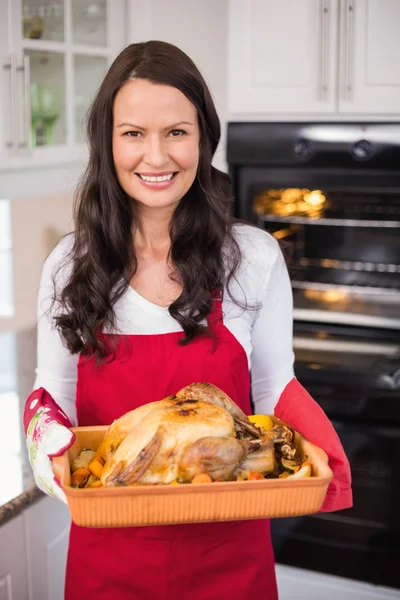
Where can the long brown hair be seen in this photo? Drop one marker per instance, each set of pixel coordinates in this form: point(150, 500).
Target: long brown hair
point(204, 252)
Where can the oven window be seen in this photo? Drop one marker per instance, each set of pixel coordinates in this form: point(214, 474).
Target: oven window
point(334, 238)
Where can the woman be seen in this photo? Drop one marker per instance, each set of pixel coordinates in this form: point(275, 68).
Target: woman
point(157, 289)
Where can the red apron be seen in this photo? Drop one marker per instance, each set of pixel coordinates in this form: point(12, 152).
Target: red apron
point(206, 561)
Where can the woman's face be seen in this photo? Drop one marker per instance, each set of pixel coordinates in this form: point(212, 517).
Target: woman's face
point(155, 143)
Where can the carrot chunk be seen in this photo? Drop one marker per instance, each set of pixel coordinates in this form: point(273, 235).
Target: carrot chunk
point(254, 475)
point(202, 478)
point(79, 477)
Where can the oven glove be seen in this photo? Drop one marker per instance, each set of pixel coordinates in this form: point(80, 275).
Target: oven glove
point(47, 434)
point(298, 409)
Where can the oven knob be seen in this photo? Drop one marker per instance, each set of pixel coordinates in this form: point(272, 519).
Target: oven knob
point(362, 150)
point(302, 148)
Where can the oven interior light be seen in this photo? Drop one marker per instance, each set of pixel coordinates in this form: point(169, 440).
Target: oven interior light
point(326, 295)
point(315, 198)
point(322, 335)
point(290, 201)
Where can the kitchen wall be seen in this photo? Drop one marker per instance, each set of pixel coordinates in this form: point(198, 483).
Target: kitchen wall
point(36, 225)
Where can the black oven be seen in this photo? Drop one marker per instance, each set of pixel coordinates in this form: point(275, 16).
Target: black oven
point(330, 192)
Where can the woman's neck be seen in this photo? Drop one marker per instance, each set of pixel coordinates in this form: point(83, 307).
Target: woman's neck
point(151, 236)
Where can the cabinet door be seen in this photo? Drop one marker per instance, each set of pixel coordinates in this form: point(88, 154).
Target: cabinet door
point(13, 579)
point(370, 57)
point(7, 82)
point(56, 57)
point(282, 56)
point(47, 526)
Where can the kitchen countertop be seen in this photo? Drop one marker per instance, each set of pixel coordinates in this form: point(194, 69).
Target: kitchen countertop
point(18, 489)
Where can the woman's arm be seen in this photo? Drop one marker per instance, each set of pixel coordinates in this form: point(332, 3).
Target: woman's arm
point(272, 355)
point(56, 368)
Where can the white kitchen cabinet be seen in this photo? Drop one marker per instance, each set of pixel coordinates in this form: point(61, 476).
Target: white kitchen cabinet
point(282, 56)
point(47, 526)
point(13, 572)
point(33, 552)
point(53, 56)
point(370, 57)
point(314, 57)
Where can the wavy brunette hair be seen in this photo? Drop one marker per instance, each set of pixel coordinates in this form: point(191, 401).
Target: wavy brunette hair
point(204, 252)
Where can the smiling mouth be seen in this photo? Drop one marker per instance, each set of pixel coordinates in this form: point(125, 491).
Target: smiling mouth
point(157, 178)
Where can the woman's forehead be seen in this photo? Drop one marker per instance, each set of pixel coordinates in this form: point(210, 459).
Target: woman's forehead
point(140, 99)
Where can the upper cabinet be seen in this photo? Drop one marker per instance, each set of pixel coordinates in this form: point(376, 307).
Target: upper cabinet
point(282, 56)
point(314, 57)
point(53, 57)
point(370, 57)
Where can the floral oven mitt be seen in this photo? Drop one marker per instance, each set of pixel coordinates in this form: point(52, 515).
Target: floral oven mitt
point(47, 435)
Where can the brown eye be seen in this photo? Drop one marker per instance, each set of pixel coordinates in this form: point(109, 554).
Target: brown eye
point(178, 132)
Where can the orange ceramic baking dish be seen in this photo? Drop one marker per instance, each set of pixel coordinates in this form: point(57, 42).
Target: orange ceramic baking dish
point(191, 503)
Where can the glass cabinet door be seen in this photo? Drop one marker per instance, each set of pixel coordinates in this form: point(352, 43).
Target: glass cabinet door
point(47, 98)
point(60, 51)
point(89, 22)
point(43, 20)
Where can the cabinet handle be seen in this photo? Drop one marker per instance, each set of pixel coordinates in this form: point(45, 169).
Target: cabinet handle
point(348, 50)
point(11, 66)
point(26, 71)
point(323, 49)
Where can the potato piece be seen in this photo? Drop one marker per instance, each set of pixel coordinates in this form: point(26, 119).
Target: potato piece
point(83, 460)
point(96, 484)
point(91, 479)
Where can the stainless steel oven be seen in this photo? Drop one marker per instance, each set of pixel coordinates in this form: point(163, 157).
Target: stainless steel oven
point(330, 192)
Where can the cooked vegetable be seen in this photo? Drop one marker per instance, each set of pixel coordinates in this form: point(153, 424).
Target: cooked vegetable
point(263, 421)
point(96, 465)
point(80, 477)
point(289, 465)
point(83, 460)
point(91, 479)
point(96, 484)
point(253, 475)
point(305, 471)
point(202, 478)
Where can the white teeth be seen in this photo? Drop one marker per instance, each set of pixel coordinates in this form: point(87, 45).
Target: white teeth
point(156, 179)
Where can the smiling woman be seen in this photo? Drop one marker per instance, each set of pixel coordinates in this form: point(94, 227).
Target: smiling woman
point(159, 288)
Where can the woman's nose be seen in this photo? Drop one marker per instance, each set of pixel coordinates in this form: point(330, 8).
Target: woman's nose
point(155, 152)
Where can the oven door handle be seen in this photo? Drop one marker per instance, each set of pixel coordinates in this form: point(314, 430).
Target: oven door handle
point(391, 381)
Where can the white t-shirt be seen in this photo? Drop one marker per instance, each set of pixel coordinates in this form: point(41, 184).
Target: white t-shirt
point(264, 333)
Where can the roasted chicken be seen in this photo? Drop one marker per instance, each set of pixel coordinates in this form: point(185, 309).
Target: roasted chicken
point(199, 430)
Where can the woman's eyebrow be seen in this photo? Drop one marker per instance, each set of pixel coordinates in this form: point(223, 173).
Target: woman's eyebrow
point(127, 124)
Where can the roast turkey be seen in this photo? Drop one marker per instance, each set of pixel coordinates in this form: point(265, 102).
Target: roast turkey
point(199, 430)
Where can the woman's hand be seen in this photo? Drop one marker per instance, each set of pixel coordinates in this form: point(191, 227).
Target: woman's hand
point(47, 435)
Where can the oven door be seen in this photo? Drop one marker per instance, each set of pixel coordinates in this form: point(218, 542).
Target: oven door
point(357, 384)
